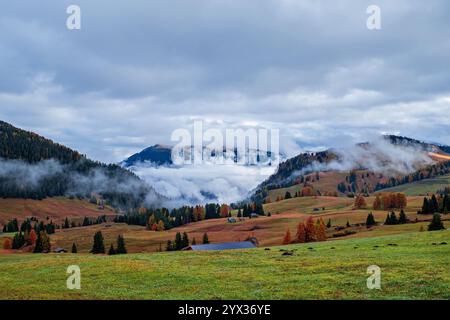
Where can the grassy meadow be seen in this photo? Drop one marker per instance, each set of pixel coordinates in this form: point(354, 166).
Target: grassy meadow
point(413, 266)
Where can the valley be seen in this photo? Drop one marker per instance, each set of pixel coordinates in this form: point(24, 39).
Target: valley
point(83, 201)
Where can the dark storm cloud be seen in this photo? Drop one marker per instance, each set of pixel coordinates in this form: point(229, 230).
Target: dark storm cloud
point(139, 69)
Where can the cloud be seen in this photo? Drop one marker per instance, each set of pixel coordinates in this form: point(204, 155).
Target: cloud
point(194, 184)
point(135, 72)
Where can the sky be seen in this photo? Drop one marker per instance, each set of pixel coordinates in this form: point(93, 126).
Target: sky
point(137, 70)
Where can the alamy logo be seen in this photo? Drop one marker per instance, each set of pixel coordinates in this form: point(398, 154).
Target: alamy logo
point(249, 146)
point(73, 21)
point(374, 20)
point(74, 280)
point(374, 281)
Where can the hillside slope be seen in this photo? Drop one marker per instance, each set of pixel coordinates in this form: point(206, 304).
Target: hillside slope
point(33, 167)
point(56, 209)
point(365, 168)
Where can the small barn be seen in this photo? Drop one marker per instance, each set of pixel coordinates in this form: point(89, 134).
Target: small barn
point(231, 220)
point(222, 246)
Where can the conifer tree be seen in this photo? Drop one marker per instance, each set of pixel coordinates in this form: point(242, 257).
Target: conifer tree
point(388, 220)
point(425, 206)
point(205, 239)
point(434, 204)
point(169, 246)
point(370, 221)
point(436, 223)
point(329, 224)
point(184, 241)
point(178, 242)
point(66, 224)
point(402, 217)
point(121, 249)
point(74, 248)
point(393, 218)
point(98, 246)
point(111, 250)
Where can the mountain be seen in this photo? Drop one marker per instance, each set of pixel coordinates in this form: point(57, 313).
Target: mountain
point(158, 155)
point(161, 155)
point(364, 168)
point(33, 167)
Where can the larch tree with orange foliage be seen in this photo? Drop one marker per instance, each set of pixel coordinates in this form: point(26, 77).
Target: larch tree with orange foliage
point(301, 233)
point(161, 226)
point(287, 237)
point(307, 192)
point(360, 202)
point(310, 229)
point(7, 244)
point(224, 211)
point(321, 232)
point(32, 237)
point(377, 203)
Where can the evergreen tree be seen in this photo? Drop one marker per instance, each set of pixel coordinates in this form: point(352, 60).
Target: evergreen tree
point(42, 243)
point(74, 248)
point(194, 242)
point(287, 195)
point(393, 218)
point(205, 239)
point(169, 246)
point(329, 224)
point(370, 221)
point(436, 223)
point(121, 249)
point(184, 241)
point(98, 246)
point(18, 241)
point(348, 224)
point(178, 245)
point(66, 224)
point(38, 246)
point(434, 204)
point(388, 220)
point(402, 219)
point(111, 250)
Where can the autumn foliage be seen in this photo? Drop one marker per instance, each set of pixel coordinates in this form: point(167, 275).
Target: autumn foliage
point(360, 202)
point(311, 231)
point(386, 201)
point(301, 233)
point(7, 245)
point(287, 237)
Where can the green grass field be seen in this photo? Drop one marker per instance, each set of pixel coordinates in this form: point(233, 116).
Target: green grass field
point(416, 268)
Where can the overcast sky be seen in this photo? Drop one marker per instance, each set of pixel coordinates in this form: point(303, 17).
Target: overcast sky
point(139, 69)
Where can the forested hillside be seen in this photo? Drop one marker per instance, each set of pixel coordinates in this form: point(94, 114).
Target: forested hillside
point(35, 167)
point(368, 168)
